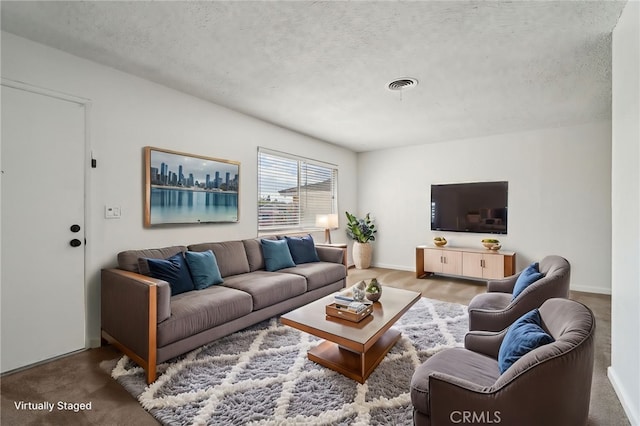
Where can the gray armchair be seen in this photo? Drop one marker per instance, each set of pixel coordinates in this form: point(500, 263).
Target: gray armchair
point(550, 385)
point(495, 310)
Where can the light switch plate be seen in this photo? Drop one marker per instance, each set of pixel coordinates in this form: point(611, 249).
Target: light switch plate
point(111, 212)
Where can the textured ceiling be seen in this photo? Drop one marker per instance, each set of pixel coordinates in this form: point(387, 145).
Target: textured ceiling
point(321, 68)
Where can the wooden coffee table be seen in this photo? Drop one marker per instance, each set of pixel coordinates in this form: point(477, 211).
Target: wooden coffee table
point(353, 349)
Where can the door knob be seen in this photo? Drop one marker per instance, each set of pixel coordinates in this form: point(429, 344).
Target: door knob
point(75, 243)
point(75, 228)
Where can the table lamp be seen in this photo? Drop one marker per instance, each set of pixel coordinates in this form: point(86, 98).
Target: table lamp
point(328, 222)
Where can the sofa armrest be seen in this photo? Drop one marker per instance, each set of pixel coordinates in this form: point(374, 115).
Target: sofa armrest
point(504, 285)
point(331, 254)
point(131, 282)
point(496, 320)
point(131, 307)
point(484, 342)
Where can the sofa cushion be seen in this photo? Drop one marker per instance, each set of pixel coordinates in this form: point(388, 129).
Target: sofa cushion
point(276, 255)
point(302, 249)
point(254, 252)
point(457, 362)
point(268, 288)
point(231, 256)
point(197, 311)
point(318, 274)
point(204, 268)
point(129, 260)
point(523, 336)
point(527, 277)
point(173, 270)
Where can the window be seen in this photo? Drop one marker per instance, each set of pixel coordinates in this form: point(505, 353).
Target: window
point(292, 191)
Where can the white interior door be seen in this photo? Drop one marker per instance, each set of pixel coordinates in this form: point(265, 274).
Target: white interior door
point(42, 288)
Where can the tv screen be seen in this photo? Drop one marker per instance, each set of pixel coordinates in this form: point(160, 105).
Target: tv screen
point(470, 207)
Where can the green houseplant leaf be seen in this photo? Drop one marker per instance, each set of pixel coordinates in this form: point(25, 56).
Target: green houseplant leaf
point(361, 230)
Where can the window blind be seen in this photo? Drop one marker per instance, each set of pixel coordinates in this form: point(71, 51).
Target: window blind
point(292, 191)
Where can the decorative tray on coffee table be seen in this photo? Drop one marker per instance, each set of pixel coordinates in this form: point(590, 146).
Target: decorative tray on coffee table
point(335, 311)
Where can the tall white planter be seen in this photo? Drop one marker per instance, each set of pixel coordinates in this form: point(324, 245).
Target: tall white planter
point(362, 255)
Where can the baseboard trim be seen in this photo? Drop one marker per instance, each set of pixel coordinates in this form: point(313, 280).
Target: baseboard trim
point(396, 267)
point(591, 289)
point(581, 288)
point(622, 397)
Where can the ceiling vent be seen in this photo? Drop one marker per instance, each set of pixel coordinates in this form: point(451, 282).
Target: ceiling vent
point(402, 84)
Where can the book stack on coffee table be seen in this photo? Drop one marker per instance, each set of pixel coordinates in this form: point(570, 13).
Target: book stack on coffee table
point(346, 307)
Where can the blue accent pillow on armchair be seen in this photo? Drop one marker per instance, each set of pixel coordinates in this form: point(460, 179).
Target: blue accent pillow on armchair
point(527, 277)
point(302, 249)
point(204, 268)
point(173, 270)
point(276, 255)
point(523, 336)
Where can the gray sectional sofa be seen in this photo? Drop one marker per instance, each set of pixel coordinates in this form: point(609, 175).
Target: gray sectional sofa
point(142, 318)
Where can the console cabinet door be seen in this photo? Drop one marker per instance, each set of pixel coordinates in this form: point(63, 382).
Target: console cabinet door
point(472, 264)
point(433, 260)
point(493, 266)
point(479, 265)
point(452, 262)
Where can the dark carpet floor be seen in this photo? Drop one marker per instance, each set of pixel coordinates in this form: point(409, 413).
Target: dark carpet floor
point(84, 376)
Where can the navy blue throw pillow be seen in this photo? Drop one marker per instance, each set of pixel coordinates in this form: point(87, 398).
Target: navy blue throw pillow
point(173, 270)
point(523, 336)
point(276, 255)
point(302, 249)
point(527, 277)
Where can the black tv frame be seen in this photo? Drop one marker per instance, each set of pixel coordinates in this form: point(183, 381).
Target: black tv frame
point(480, 217)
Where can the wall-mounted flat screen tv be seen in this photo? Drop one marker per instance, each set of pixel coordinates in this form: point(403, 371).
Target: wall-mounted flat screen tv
point(470, 207)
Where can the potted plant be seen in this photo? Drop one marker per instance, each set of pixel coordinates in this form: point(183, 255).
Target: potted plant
point(373, 290)
point(362, 231)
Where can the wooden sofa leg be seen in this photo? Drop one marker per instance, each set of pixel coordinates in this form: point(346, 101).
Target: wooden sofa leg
point(151, 373)
point(152, 333)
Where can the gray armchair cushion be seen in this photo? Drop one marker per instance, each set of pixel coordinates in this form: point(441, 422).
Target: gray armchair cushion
point(458, 364)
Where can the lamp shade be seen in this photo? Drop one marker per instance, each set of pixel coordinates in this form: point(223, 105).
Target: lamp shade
point(327, 221)
point(322, 220)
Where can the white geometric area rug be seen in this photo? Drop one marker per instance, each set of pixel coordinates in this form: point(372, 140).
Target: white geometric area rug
point(261, 376)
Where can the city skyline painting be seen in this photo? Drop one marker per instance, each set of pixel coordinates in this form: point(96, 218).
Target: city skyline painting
point(187, 188)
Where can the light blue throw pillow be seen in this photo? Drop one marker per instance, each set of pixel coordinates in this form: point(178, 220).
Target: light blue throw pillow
point(276, 255)
point(530, 275)
point(523, 336)
point(204, 268)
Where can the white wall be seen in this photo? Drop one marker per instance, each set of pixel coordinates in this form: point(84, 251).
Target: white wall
point(624, 372)
point(559, 196)
point(129, 113)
